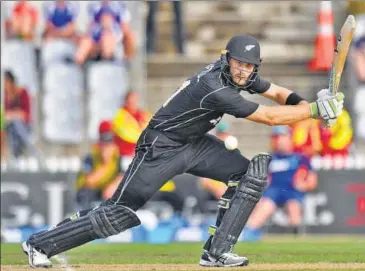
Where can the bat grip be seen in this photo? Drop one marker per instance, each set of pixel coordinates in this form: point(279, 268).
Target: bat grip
point(330, 123)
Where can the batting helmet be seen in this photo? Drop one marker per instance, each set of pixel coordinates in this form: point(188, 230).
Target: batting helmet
point(244, 48)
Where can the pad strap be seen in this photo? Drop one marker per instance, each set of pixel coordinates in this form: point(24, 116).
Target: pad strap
point(223, 203)
point(212, 229)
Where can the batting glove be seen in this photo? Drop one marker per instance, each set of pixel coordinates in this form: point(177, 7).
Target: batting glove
point(327, 106)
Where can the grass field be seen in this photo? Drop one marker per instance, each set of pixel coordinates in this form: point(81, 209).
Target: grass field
point(275, 253)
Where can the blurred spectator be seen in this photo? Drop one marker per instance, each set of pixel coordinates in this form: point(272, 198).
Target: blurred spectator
point(357, 74)
point(359, 59)
point(178, 25)
point(359, 95)
point(101, 168)
point(2, 134)
point(109, 26)
point(17, 115)
point(129, 123)
point(336, 140)
point(291, 176)
point(60, 16)
point(307, 137)
point(23, 21)
point(170, 193)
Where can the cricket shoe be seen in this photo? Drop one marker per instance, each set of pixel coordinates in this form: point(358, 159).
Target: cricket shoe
point(225, 260)
point(35, 257)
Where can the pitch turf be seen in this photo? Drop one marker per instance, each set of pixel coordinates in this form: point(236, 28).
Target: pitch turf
point(274, 253)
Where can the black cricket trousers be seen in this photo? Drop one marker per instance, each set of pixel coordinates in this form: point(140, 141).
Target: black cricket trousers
point(158, 159)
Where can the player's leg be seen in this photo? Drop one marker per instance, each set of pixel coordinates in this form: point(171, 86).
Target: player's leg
point(263, 211)
point(148, 171)
point(265, 208)
point(246, 181)
point(294, 210)
point(219, 164)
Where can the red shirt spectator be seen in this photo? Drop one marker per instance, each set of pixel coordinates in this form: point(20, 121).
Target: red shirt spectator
point(24, 20)
point(17, 100)
point(23, 8)
point(17, 116)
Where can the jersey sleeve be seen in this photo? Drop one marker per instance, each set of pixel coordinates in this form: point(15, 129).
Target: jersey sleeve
point(228, 100)
point(259, 86)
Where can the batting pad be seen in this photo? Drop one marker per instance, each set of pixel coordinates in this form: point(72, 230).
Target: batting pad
point(248, 193)
point(99, 223)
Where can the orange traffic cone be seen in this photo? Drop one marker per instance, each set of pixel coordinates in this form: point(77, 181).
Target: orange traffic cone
point(325, 40)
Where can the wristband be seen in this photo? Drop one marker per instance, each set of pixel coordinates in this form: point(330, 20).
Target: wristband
point(293, 99)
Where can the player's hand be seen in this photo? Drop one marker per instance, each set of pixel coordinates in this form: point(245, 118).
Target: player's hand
point(327, 106)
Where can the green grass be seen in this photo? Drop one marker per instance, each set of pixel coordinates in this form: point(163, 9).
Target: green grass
point(272, 250)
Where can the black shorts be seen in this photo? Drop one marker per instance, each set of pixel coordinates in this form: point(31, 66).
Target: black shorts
point(158, 159)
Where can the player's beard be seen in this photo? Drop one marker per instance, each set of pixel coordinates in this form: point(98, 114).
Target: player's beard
point(241, 77)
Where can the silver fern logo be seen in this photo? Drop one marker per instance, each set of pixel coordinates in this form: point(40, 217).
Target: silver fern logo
point(249, 47)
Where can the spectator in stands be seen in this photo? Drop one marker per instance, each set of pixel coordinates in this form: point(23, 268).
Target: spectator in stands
point(357, 75)
point(109, 26)
point(17, 115)
point(291, 176)
point(2, 134)
point(60, 16)
point(23, 21)
point(359, 95)
point(336, 140)
point(306, 137)
point(129, 123)
point(171, 194)
point(178, 26)
point(101, 168)
point(359, 58)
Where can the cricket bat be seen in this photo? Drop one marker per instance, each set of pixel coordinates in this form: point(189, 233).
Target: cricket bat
point(341, 50)
point(340, 55)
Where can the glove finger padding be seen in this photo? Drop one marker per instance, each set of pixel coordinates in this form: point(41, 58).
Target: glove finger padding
point(324, 94)
point(340, 97)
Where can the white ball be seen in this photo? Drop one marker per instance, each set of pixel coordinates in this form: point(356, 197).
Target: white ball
point(231, 142)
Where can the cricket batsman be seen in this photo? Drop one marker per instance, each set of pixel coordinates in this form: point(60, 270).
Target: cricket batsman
point(176, 141)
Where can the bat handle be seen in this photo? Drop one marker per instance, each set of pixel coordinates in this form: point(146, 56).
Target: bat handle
point(330, 123)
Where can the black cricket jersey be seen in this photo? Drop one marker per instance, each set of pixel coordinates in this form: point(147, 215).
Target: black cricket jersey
point(199, 104)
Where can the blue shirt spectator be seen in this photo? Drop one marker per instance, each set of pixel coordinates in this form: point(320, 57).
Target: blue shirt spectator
point(117, 9)
point(291, 175)
point(109, 32)
point(61, 13)
point(60, 16)
point(283, 169)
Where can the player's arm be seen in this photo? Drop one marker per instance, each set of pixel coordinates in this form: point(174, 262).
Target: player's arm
point(229, 101)
point(294, 108)
point(282, 95)
point(305, 179)
point(312, 181)
point(307, 184)
point(280, 115)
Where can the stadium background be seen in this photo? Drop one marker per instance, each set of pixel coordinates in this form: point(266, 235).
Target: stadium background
point(34, 197)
